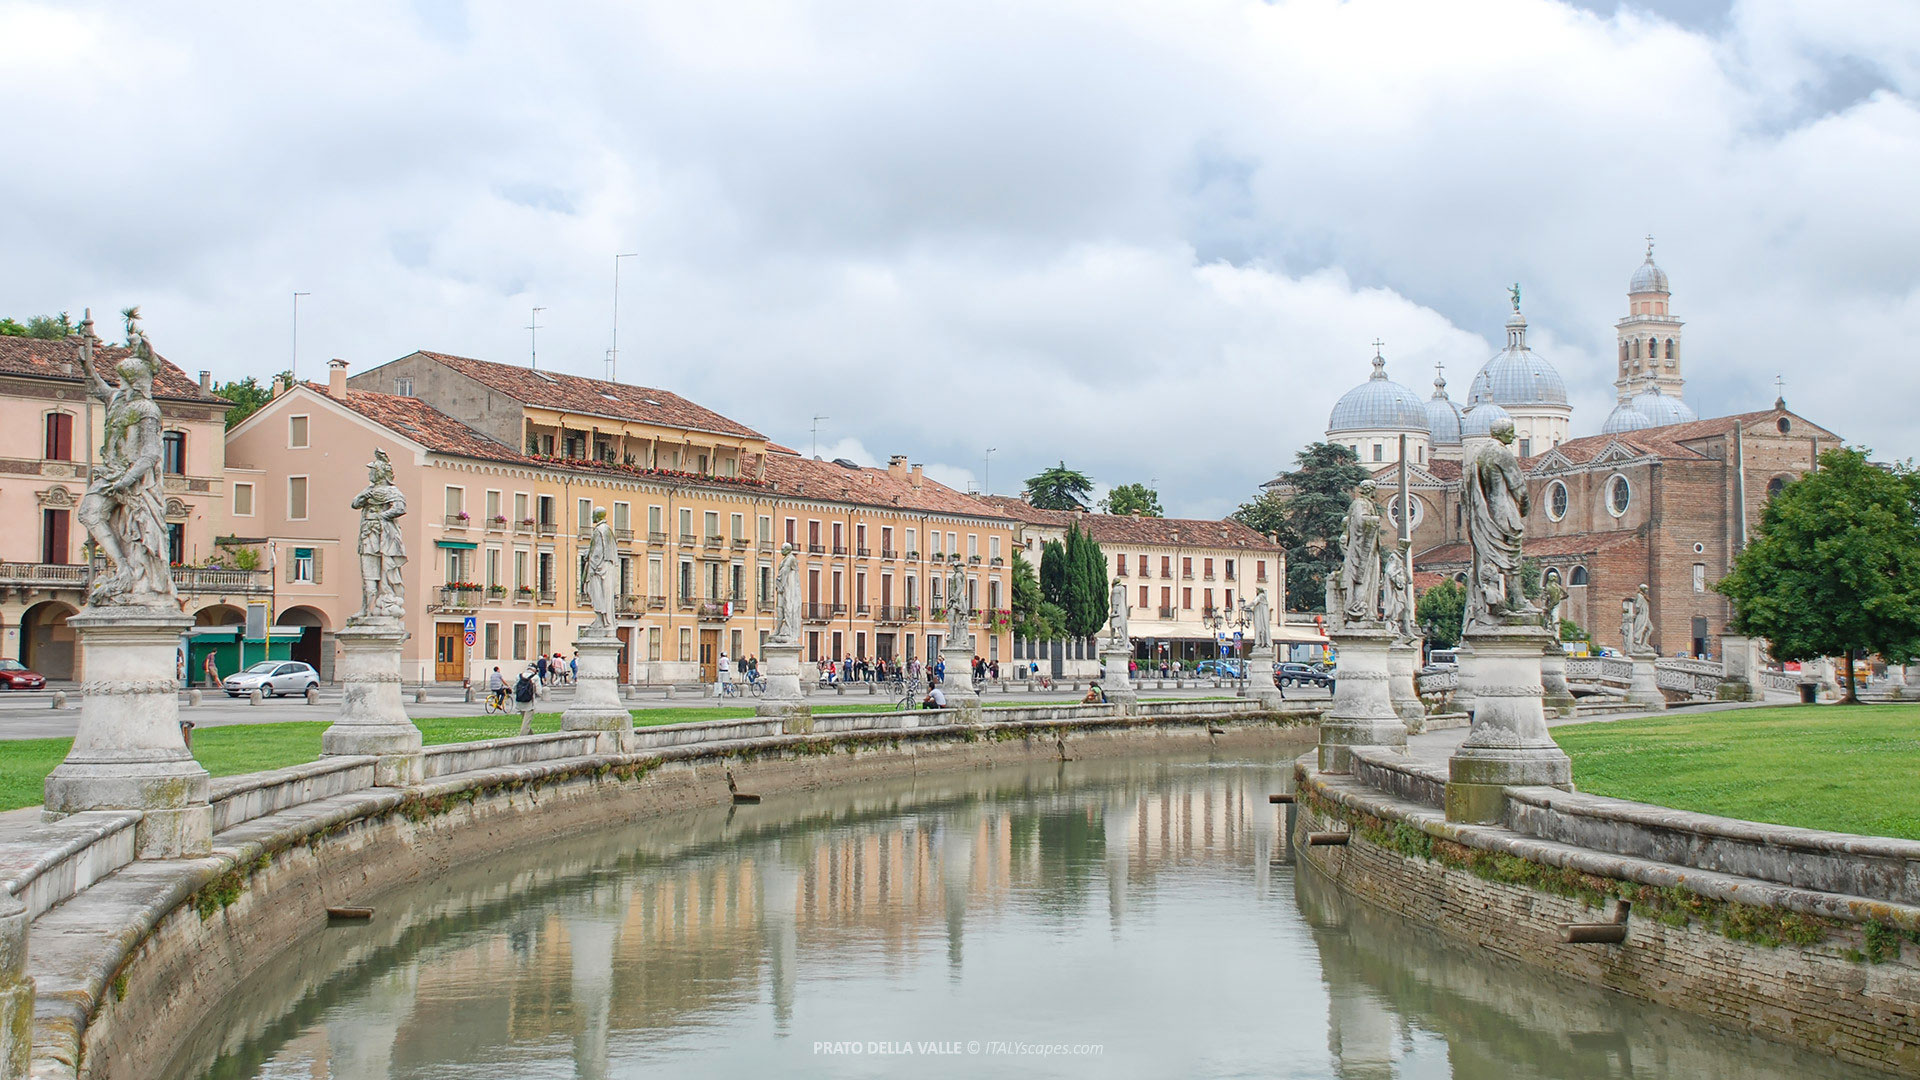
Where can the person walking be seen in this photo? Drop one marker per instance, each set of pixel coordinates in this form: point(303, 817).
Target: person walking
point(540, 669)
point(721, 669)
point(213, 672)
point(573, 669)
point(524, 691)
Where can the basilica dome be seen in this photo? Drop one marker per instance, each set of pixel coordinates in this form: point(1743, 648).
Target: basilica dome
point(1517, 375)
point(1661, 410)
point(1443, 416)
point(1624, 418)
point(1379, 404)
point(1648, 278)
point(1477, 421)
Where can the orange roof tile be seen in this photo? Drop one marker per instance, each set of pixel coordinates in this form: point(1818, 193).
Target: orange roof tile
point(1127, 529)
point(43, 359)
point(595, 397)
point(805, 477)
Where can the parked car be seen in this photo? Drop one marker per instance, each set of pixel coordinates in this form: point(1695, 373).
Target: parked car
point(272, 678)
point(1286, 675)
point(1218, 669)
point(15, 676)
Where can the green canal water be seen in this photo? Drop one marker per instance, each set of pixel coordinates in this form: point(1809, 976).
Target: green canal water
point(1133, 918)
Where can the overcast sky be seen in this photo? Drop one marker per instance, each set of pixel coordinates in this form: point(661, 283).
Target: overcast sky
point(1152, 239)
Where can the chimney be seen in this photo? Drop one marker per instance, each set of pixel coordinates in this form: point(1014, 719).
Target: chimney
point(206, 380)
point(914, 477)
point(337, 377)
point(1136, 515)
point(279, 386)
point(897, 466)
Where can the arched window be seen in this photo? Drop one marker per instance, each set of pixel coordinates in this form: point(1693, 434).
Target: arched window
point(1673, 349)
point(1636, 348)
point(1623, 352)
point(1460, 578)
point(1774, 485)
point(1552, 576)
point(1785, 425)
point(1578, 576)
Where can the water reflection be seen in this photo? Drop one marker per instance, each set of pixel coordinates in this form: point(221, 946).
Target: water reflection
point(1149, 908)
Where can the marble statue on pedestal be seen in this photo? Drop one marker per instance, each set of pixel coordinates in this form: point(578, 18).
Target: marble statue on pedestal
point(1360, 563)
point(956, 601)
point(1397, 606)
point(1639, 624)
point(124, 509)
point(1495, 500)
point(1260, 614)
point(1117, 616)
point(383, 593)
point(786, 599)
point(602, 564)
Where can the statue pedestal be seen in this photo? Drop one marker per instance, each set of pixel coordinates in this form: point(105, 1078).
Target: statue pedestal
point(1402, 658)
point(1260, 678)
point(1113, 680)
point(1553, 681)
point(1644, 687)
point(1463, 678)
point(372, 720)
point(596, 697)
point(1362, 712)
point(128, 753)
point(1740, 667)
point(1508, 745)
point(958, 685)
point(780, 667)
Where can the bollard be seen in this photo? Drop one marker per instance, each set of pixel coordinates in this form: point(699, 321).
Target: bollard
point(59, 699)
point(313, 695)
point(186, 734)
point(420, 696)
point(193, 697)
point(254, 697)
point(669, 694)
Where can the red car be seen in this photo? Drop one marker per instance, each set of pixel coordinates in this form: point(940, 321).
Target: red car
point(15, 677)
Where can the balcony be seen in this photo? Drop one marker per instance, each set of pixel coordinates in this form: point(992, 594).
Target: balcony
point(912, 555)
point(656, 538)
point(624, 536)
point(973, 560)
point(685, 603)
point(1169, 613)
point(1186, 575)
point(210, 580)
point(715, 610)
point(712, 540)
point(656, 603)
point(547, 528)
point(816, 549)
point(997, 561)
point(817, 613)
point(739, 543)
point(1166, 574)
point(896, 614)
point(685, 540)
point(839, 609)
point(523, 595)
point(862, 553)
point(497, 524)
point(547, 595)
point(458, 598)
point(862, 610)
point(1206, 577)
point(839, 549)
point(458, 521)
point(524, 527)
point(889, 553)
point(765, 547)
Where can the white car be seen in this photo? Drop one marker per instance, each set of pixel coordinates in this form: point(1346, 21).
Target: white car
point(272, 678)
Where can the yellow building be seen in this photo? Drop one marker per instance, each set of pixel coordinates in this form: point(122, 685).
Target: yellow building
point(502, 468)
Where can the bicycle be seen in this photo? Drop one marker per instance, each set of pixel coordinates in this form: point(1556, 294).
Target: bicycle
point(910, 694)
point(496, 702)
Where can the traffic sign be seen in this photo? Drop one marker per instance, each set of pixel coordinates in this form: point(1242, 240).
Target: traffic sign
point(473, 623)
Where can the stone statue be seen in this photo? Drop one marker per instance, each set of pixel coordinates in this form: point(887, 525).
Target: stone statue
point(1336, 603)
point(383, 595)
point(1117, 615)
point(1360, 567)
point(1260, 613)
point(124, 509)
point(1397, 611)
point(1626, 626)
point(786, 599)
point(1640, 611)
point(1494, 493)
point(602, 565)
point(956, 601)
point(1515, 293)
point(1556, 595)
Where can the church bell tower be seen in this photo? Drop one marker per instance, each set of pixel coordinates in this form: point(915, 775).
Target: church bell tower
point(1649, 337)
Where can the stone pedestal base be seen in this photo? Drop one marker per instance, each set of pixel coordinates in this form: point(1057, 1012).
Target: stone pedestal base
point(1644, 688)
point(372, 718)
point(958, 685)
point(1362, 712)
point(1463, 690)
point(1508, 745)
point(1556, 698)
point(1260, 685)
point(1402, 659)
point(596, 696)
point(128, 753)
point(1114, 682)
point(780, 667)
point(16, 991)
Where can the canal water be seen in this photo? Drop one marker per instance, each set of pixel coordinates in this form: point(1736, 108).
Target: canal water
point(1131, 918)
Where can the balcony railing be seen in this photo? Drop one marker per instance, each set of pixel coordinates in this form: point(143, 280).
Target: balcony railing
point(764, 546)
point(997, 561)
point(202, 580)
point(862, 553)
point(548, 594)
point(523, 528)
point(496, 524)
point(656, 603)
point(655, 536)
point(1207, 576)
point(912, 555)
point(714, 609)
point(893, 613)
point(816, 549)
point(712, 540)
point(817, 612)
point(458, 521)
point(839, 549)
point(548, 528)
point(624, 536)
point(889, 553)
point(862, 610)
point(523, 596)
point(452, 599)
point(1169, 613)
point(686, 540)
point(738, 543)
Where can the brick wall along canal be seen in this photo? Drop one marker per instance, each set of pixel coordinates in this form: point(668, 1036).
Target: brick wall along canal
point(1105, 918)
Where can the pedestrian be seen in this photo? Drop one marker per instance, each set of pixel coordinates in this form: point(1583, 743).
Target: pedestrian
point(573, 668)
point(497, 688)
point(524, 691)
point(939, 670)
point(540, 669)
point(721, 669)
point(213, 671)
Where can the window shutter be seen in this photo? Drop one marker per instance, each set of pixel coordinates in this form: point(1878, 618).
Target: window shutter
point(316, 566)
point(287, 567)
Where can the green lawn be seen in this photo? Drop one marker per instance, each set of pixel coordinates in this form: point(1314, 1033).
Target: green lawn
point(1846, 768)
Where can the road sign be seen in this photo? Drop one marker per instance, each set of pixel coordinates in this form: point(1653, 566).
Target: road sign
point(472, 624)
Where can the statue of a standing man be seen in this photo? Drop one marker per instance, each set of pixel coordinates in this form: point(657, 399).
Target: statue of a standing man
point(1261, 616)
point(1360, 567)
point(956, 601)
point(1494, 493)
point(382, 552)
point(1640, 604)
point(124, 509)
point(1397, 610)
point(1117, 615)
point(601, 566)
point(786, 599)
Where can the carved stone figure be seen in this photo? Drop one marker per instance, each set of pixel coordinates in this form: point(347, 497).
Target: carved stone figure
point(956, 601)
point(1336, 603)
point(124, 509)
point(1117, 616)
point(383, 594)
point(1626, 626)
point(786, 599)
point(602, 564)
point(1360, 567)
point(1396, 609)
point(1640, 610)
point(1260, 613)
point(1494, 493)
point(1556, 595)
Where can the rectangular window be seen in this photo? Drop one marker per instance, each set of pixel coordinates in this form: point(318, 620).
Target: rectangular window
point(1206, 567)
point(242, 500)
point(973, 545)
point(1166, 566)
point(1186, 568)
point(711, 519)
point(1260, 570)
point(493, 567)
point(686, 523)
point(173, 453)
point(654, 528)
point(1206, 599)
point(296, 498)
point(493, 506)
point(302, 573)
point(1700, 577)
point(839, 538)
point(1186, 599)
point(1229, 569)
point(519, 641)
point(1379, 452)
point(491, 649)
point(403, 386)
point(653, 644)
point(520, 507)
point(764, 595)
point(1120, 566)
point(953, 543)
point(456, 500)
point(1142, 563)
point(546, 509)
point(993, 551)
point(738, 526)
point(297, 433)
point(176, 543)
point(59, 436)
point(655, 586)
point(765, 528)
point(519, 574)
point(583, 514)
point(792, 525)
point(543, 638)
point(1143, 597)
point(912, 541)
point(686, 644)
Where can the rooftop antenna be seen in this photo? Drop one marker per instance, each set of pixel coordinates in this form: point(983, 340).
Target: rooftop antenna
point(613, 350)
point(986, 479)
point(816, 433)
point(533, 339)
point(293, 362)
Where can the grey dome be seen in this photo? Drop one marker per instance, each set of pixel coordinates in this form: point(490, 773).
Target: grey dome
point(1661, 410)
point(1648, 278)
point(1443, 416)
point(1624, 418)
point(1517, 375)
point(1379, 404)
point(1477, 420)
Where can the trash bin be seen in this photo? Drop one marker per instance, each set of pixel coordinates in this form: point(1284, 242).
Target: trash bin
point(1808, 692)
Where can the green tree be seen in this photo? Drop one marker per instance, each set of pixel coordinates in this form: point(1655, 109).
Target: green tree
point(1087, 603)
point(1440, 611)
point(1033, 617)
point(1133, 499)
point(1059, 488)
point(1307, 511)
point(1834, 568)
point(1053, 572)
point(45, 327)
point(247, 396)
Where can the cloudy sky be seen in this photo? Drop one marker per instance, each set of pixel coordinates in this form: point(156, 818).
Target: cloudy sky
point(1153, 239)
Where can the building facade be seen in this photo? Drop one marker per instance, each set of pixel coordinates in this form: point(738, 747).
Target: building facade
point(49, 433)
point(699, 505)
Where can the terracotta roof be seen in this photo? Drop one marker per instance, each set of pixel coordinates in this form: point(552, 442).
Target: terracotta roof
point(1668, 441)
point(1127, 529)
point(1545, 547)
point(808, 478)
point(424, 424)
point(1439, 468)
point(597, 397)
point(42, 359)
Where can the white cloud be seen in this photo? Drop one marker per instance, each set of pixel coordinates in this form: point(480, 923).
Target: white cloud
point(1151, 239)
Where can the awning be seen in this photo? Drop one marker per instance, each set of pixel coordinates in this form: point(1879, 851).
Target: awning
point(463, 545)
point(1299, 634)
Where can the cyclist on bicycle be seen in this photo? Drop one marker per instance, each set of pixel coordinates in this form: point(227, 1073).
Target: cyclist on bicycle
point(497, 689)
